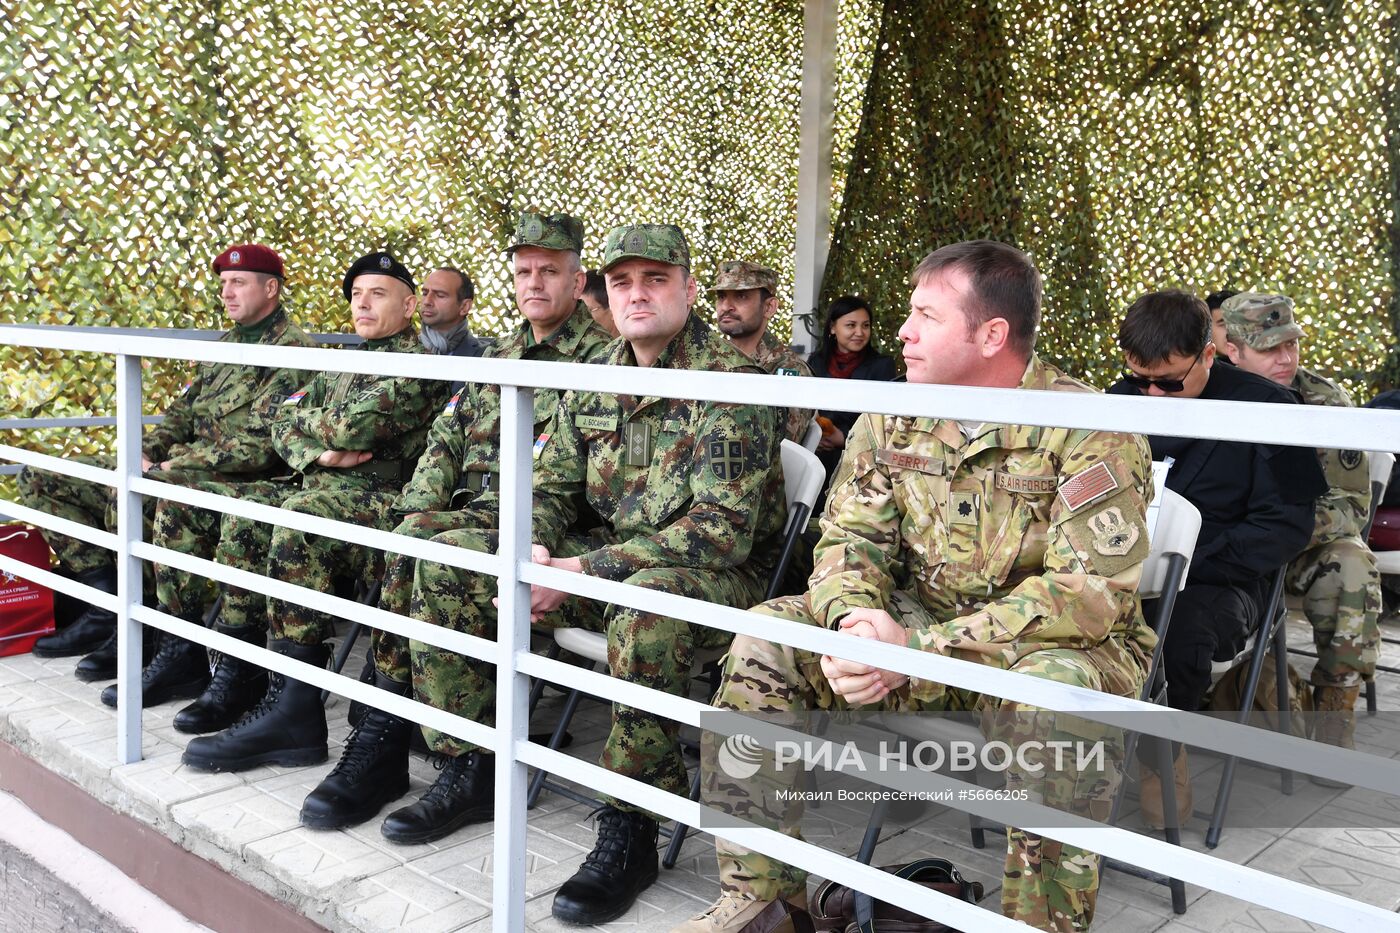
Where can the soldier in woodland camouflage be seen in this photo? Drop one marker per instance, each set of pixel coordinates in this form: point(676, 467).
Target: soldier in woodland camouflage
point(746, 296)
point(209, 437)
point(1016, 547)
point(458, 466)
point(689, 496)
point(1336, 574)
point(352, 439)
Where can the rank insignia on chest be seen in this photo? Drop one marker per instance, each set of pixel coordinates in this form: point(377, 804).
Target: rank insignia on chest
point(1087, 485)
point(726, 459)
point(452, 404)
point(294, 398)
point(962, 508)
point(539, 445)
point(636, 438)
point(187, 387)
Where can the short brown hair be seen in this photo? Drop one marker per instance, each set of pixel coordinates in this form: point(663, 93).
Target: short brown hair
point(1163, 324)
point(1005, 284)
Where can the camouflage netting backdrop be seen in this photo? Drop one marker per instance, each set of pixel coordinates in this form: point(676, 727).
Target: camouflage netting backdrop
point(1126, 145)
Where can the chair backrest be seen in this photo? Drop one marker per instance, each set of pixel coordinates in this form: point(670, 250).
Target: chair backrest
point(813, 436)
point(803, 474)
point(1178, 523)
point(1382, 463)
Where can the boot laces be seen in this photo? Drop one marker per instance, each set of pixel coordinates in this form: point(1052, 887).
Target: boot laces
point(221, 682)
point(363, 744)
point(614, 833)
point(269, 701)
point(456, 776)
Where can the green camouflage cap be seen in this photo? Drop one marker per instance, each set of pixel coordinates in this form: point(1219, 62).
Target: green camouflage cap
point(740, 276)
point(660, 242)
point(547, 231)
point(1261, 321)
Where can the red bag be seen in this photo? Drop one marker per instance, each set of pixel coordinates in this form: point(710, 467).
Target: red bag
point(26, 608)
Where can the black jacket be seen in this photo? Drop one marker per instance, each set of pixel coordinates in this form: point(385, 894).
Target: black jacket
point(1257, 500)
point(876, 367)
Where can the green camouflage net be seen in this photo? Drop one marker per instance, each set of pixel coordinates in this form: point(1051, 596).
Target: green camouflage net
point(1135, 146)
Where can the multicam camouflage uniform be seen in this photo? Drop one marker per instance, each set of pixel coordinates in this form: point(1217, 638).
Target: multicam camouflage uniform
point(461, 462)
point(686, 492)
point(388, 416)
point(1020, 548)
point(209, 436)
point(773, 357)
point(1336, 575)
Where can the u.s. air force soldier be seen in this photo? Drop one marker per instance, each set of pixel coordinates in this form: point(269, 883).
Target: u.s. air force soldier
point(207, 436)
point(689, 495)
point(459, 464)
point(1336, 573)
point(1016, 547)
point(353, 439)
point(746, 297)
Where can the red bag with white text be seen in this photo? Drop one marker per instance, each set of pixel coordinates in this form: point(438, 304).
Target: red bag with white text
point(26, 608)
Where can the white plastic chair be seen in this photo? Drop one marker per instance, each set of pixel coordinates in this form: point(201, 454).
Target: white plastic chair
point(813, 436)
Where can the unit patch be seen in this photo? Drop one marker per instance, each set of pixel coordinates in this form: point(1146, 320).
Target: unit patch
point(1349, 459)
point(726, 459)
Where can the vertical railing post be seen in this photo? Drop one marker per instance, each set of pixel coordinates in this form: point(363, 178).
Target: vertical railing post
point(130, 527)
point(814, 160)
point(512, 635)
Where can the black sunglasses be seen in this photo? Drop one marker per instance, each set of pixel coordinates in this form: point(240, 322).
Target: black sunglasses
point(1166, 385)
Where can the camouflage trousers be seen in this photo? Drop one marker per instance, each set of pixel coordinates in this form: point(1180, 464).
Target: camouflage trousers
point(390, 651)
point(92, 505)
point(1341, 592)
point(643, 648)
point(1046, 884)
point(311, 561)
point(199, 533)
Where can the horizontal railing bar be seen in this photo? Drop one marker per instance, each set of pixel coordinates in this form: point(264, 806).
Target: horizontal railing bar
point(372, 616)
point(59, 583)
point(1264, 746)
point(64, 526)
point(74, 468)
point(339, 684)
point(183, 333)
point(1304, 425)
point(1210, 871)
point(28, 424)
point(423, 549)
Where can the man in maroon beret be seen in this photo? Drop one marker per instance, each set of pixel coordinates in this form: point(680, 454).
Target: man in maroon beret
point(210, 438)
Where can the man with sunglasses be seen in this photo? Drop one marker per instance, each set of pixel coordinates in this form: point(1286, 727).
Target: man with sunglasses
point(1256, 501)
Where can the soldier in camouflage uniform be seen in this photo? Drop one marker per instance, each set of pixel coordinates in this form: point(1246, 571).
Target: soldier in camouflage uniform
point(459, 464)
point(207, 437)
point(353, 440)
point(1336, 574)
point(1016, 547)
point(746, 296)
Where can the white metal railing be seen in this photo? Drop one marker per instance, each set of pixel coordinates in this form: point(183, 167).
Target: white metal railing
point(1303, 426)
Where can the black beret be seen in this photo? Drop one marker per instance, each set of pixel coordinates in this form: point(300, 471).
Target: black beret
point(378, 264)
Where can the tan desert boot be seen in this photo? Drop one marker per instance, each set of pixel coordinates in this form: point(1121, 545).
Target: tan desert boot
point(1150, 793)
point(1335, 723)
point(733, 912)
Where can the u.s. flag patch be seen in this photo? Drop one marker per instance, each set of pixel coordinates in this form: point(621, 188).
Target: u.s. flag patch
point(452, 404)
point(294, 398)
point(1087, 485)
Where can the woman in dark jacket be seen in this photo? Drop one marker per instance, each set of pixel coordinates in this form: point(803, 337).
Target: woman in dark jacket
point(848, 351)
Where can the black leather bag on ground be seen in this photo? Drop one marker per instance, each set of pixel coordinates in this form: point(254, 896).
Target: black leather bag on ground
point(838, 909)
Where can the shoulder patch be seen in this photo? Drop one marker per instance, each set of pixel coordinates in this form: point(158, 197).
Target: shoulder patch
point(787, 371)
point(540, 443)
point(1349, 459)
point(1088, 485)
point(726, 459)
point(1108, 541)
point(294, 398)
point(186, 387)
point(452, 403)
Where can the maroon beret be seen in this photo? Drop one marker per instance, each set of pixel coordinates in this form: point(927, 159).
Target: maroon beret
point(250, 257)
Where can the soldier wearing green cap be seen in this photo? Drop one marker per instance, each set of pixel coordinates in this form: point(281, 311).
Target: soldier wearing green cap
point(459, 464)
point(688, 499)
point(1336, 574)
point(746, 297)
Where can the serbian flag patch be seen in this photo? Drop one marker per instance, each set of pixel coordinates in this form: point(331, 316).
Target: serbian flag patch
point(539, 445)
point(1087, 485)
point(452, 404)
point(187, 387)
point(294, 398)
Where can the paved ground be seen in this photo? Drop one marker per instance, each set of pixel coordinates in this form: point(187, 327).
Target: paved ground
point(248, 823)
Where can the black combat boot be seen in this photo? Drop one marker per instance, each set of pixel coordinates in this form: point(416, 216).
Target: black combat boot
point(288, 727)
point(234, 688)
point(621, 866)
point(465, 792)
point(102, 663)
point(90, 630)
point(179, 671)
point(372, 771)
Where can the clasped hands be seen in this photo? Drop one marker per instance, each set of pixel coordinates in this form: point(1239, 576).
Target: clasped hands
point(857, 683)
point(543, 599)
